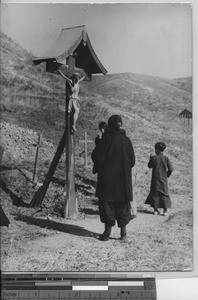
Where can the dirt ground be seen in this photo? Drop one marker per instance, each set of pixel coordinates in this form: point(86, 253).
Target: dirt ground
point(42, 240)
point(39, 242)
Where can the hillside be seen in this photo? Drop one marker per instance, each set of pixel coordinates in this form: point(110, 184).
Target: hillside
point(185, 83)
point(32, 102)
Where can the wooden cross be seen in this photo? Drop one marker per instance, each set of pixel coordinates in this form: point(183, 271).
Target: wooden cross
point(1, 154)
point(67, 142)
point(85, 141)
point(36, 158)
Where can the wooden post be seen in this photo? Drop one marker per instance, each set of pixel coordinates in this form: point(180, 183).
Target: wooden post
point(1, 154)
point(70, 201)
point(86, 164)
point(85, 141)
point(36, 158)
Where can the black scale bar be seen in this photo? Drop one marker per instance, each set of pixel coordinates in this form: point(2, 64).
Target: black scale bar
point(61, 288)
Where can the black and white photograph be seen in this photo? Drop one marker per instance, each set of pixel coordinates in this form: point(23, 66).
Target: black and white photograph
point(96, 155)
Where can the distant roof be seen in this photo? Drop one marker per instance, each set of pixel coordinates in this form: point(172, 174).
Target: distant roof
point(70, 40)
point(186, 114)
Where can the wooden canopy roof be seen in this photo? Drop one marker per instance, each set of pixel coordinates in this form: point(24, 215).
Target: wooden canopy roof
point(70, 40)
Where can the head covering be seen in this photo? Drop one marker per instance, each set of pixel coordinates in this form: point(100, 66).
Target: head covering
point(160, 146)
point(102, 125)
point(115, 122)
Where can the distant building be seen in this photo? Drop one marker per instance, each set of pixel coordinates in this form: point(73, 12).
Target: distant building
point(186, 117)
point(185, 114)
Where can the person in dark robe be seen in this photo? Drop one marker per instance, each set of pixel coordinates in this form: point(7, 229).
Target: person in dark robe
point(114, 159)
point(162, 169)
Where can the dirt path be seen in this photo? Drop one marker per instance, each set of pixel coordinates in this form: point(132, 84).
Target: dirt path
point(153, 243)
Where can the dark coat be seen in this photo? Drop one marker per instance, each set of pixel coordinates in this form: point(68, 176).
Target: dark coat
point(162, 169)
point(113, 160)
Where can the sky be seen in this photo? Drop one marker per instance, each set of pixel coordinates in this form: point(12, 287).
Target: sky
point(142, 38)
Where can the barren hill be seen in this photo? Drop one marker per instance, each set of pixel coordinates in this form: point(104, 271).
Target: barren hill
point(32, 102)
point(185, 83)
point(30, 87)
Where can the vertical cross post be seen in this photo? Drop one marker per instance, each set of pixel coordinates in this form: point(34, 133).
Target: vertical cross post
point(86, 141)
point(1, 154)
point(86, 164)
point(36, 158)
point(70, 201)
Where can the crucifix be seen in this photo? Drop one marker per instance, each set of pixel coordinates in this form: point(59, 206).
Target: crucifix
point(74, 46)
point(67, 142)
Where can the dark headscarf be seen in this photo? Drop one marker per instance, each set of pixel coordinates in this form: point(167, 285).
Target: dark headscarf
point(160, 146)
point(115, 122)
point(102, 125)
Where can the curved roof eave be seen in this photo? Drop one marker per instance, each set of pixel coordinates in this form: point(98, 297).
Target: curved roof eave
point(72, 37)
point(60, 56)
point(102, 68)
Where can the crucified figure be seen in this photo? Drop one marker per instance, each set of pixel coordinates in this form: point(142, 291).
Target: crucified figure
point(74, 100)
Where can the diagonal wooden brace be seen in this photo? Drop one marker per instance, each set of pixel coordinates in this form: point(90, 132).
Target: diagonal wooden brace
point(40, 194)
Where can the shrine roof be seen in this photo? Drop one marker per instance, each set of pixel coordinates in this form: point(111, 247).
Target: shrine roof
point(74, 40)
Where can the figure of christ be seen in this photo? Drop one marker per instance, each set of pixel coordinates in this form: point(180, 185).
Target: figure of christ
point(74, 100)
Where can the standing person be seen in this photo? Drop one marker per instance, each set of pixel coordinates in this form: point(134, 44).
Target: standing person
point(74, 100)
point(103, 127)
point(162, 169)
point(114, 157)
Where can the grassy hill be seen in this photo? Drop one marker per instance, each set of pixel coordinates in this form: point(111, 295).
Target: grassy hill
point(34, 99)
point(38, 94)
point(32, 102)
point(185, 83)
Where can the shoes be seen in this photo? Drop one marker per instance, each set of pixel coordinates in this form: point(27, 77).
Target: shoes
point(123, 237)
point(156, 212)
point(106, 234)
point(123, 234)
point(104, 238)
point(165, 212)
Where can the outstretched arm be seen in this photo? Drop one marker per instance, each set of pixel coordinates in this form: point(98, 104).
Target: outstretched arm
point(65, 77)
point(81, 79)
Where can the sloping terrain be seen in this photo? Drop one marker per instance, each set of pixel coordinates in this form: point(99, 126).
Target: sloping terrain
point(185, 83)
point(32, 102)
